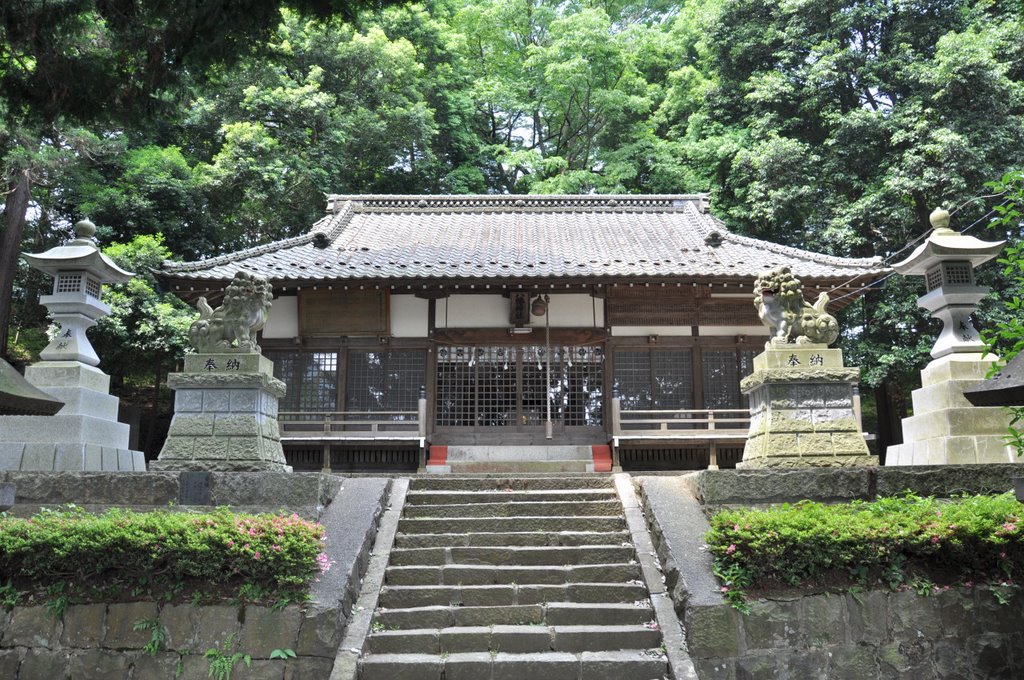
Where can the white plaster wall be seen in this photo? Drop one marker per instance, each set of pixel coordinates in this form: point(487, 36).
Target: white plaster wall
point(283, 321)
point(472, 311)
point(492, 311)
point(624, 331)
point(574, 310)
point(409, 315)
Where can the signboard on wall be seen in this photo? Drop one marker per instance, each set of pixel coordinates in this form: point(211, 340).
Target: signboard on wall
point(343, 312)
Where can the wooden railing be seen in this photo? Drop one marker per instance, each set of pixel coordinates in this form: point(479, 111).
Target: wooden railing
point(710, 425)
point(681, 423)
point(377, 425)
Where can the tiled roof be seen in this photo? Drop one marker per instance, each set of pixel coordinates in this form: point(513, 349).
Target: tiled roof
point(425, 238)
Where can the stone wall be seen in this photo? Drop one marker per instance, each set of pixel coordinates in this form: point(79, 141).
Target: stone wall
point(305, 493)
point(961, 633)
point(99, 641)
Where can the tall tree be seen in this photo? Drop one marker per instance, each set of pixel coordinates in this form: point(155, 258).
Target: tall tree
point(65, 64)
point(839, 125)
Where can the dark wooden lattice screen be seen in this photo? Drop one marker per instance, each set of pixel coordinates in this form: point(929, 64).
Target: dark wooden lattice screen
point(384, 381)
point(310, 377)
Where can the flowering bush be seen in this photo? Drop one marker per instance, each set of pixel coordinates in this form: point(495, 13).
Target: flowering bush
point(161, 553)
point(899, 541)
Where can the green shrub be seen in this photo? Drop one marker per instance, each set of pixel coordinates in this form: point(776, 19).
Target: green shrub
point(903, 541)
point(160, 554)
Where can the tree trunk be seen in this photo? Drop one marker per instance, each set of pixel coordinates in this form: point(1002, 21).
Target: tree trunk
point(892, 408)
point(154, 414)
point(19, 192)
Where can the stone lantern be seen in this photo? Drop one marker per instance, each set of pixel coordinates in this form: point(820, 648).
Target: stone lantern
point(946, 427)
point(79, 271)
point(85, 434)
point(947, 260)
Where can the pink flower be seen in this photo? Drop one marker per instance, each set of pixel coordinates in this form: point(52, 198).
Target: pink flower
point(725, 589)
point(735, 527)
point(256, 555)
point(323, 562)
point(231, 544)
point(731, 549)
point(935, 539)
point(1009, 526)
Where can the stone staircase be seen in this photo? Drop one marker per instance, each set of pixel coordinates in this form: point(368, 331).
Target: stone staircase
point(509, 579)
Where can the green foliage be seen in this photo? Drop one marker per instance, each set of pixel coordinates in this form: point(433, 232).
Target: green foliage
point(9, 595)
point(159, 554)
point(158, 635)
point(223, 660)
point(903, 541)
point(283, 654)
point(1005, 336)
point(146, 333)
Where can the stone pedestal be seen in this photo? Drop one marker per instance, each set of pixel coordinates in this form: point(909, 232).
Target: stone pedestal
point(83, 435)
point(802, 410)
point(945, 427)
point(225, 415)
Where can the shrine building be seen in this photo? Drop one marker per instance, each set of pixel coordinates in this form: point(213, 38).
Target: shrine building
point(402, 325)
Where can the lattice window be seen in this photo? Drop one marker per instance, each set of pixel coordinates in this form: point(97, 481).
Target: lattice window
point(385, 381)
point(508, 386)
point(580, 392)
point(933, 278)
point(69, 283)
point(92, 287)
point(722, 372)
point(958, 273)
point(654, 379)
point(456, 387)
point(311, 379)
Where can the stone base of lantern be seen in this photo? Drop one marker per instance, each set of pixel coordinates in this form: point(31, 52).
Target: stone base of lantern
point(946, 429)
point(83, 436)
point(225, 415)
point(802, 410)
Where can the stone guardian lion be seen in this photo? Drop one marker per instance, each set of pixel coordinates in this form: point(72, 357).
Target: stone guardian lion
point(779, 299)
point(244, 311)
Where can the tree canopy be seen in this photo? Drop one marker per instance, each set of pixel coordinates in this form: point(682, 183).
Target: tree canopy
point(834, 125)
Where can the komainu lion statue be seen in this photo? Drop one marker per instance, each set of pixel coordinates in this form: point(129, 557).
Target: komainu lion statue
point(244, 311)
point(779, 299)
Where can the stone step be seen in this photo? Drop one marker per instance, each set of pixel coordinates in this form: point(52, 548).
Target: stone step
point(513, 555)
point(501, 483)
point(617, 665)
point(550, 614)
point(447, 525)
point(468, 574)
point(430, 497)
point(514, 509)
point(446, 616)
point(512, 538)
point(518, 466)
point(399, 597)
point(515, 639)
point(512, 453)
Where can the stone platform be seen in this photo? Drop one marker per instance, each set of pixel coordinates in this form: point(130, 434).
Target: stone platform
point(84, 435)
point(225, 415)
point(948, 429)
point(801, 410)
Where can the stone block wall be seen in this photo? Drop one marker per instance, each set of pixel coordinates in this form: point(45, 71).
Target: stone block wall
point(99, 641)
point(961, 633)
